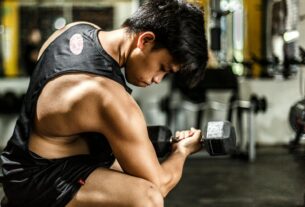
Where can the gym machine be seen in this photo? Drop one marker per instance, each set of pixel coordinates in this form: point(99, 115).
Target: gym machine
point(297, 110)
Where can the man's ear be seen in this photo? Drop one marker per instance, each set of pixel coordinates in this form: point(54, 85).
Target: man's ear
point(146, 39)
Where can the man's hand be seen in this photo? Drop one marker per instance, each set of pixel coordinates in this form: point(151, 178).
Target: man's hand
point(188, 141)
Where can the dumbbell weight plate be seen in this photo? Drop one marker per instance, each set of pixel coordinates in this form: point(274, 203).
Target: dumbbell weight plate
point(296, 114)
point(160, 138)
point(220, 138)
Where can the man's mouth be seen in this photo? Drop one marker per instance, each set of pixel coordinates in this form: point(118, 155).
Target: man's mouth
point(147, 84)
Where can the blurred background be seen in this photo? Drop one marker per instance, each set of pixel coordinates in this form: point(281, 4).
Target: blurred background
point(254, 79)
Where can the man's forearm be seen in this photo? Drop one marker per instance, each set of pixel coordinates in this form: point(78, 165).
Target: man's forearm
point(173, 168)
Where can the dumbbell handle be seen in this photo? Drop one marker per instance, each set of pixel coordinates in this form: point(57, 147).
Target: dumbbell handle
point(174, 139)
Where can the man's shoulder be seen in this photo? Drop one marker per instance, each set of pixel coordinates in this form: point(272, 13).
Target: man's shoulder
point(100, 90)
point(105, 101)
point(111, 91)
point(81, 88)
point(90, 86)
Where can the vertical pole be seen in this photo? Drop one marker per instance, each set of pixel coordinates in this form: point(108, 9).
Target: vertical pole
point(251, 134)
point(10, 37)
point(1, 35)
point(254, 34)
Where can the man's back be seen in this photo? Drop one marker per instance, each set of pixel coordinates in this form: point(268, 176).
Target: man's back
point(67, 107)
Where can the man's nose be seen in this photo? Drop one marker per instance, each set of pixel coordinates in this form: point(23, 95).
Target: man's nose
point(158, 78)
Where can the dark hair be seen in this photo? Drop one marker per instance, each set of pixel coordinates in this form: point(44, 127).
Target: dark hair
point(179, 27)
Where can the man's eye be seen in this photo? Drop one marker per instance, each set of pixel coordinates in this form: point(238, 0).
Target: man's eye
point(163, 68)
point(165, 76)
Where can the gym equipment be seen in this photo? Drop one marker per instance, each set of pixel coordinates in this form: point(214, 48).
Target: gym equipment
point(297, 110)
point(297, 123)
point(259, 104)
point(297, 116)
point(197, 101)
point(219, 138)
point(9, 103)
point(248, 108)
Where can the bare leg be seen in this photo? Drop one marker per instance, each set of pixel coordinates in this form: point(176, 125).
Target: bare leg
point(108, 188)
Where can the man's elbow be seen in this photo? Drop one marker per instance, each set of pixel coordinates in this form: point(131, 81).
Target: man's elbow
point(166, 184)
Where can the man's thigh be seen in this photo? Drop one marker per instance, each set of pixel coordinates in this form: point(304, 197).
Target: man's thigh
point(106, 187)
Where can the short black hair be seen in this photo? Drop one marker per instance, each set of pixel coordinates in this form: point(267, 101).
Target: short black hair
point(179, 27)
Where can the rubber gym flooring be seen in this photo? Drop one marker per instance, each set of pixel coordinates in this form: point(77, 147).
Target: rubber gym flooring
point(275, 179)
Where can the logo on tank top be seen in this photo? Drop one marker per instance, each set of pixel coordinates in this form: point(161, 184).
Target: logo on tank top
point(76, 44)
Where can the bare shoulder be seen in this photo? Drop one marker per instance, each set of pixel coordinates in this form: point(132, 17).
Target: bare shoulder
point(113, 109)
point(118, 107)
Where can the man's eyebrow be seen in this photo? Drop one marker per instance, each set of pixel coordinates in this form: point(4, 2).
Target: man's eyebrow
point(167, 68)
point(173, 69)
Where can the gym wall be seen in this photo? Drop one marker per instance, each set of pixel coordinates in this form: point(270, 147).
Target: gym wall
point(271, 127)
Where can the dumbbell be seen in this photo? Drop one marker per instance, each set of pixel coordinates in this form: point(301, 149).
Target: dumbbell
point(219, 138)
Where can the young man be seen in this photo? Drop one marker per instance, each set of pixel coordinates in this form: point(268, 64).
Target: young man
point(81, 140)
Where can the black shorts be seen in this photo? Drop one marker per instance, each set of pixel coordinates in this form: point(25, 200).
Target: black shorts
point(32, 181)
point(50, 183)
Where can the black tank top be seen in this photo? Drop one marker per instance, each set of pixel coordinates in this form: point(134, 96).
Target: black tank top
point(76, 50)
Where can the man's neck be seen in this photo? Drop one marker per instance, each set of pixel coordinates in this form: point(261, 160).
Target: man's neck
point(117, 43)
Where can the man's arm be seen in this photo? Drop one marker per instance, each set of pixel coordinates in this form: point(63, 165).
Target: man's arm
point(123, 124)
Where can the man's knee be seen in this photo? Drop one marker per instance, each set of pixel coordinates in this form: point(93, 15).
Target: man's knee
point(151, 197)
point(155, 197)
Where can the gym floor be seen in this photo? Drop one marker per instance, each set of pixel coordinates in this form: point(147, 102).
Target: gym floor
point(275, 179)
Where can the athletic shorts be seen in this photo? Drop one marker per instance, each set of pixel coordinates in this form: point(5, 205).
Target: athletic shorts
point(32, 181)
point(50, 183)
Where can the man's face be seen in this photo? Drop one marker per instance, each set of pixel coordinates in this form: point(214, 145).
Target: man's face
point(146, 66)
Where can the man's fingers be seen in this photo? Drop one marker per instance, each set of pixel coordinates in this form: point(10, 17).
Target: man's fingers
point(183, 134)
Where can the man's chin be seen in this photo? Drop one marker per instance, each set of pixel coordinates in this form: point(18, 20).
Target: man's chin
point(142, 85)
point(139, 84)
